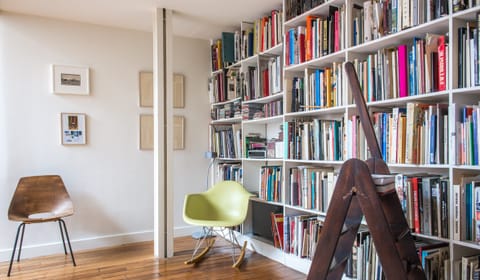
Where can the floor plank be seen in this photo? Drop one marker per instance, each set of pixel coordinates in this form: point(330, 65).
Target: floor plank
point(136, 261)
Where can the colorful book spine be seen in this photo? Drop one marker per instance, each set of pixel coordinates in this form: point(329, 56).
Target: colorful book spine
point(403, 70)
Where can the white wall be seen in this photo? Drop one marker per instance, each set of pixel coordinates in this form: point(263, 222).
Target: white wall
point(191, 58)
point(110, 180)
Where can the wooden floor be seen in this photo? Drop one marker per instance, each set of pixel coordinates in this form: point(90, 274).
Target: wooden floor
point(136, 261)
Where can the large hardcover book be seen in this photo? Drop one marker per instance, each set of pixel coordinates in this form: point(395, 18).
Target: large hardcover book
point(228, 48)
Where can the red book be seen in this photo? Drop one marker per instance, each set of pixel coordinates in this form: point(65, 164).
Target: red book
point(301, 44)
point(442, 64)
point(403, 70)
point(309, 37)
point(266, 88)
point(416, 209)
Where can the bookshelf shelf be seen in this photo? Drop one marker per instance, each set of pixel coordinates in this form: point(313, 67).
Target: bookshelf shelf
point(266, 99)
point(227, 121)
point(434, 160)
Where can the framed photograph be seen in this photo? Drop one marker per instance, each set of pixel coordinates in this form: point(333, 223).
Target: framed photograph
point(178, 91)
point(146, 132)
point(70, 80)
point(146, 89)
point(178, 132)
point(74, 130)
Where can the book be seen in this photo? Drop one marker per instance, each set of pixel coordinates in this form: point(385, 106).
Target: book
point(442, 63)
point(403, 70)
point(278, 229)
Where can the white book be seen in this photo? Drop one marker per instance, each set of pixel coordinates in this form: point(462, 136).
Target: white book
point(394, 135)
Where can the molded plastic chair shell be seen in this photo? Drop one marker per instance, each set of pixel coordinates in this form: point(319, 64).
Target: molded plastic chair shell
point(223, 205)
point(39, 199)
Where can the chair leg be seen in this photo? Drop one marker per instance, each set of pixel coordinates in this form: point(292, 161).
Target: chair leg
point(235, 243)
point(21, 243)
point(68, 240)
point(209, 244)
point(63, 238)
point(21, 226)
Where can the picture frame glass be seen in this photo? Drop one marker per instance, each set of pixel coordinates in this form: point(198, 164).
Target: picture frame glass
point(73, 129)
point(70, 80)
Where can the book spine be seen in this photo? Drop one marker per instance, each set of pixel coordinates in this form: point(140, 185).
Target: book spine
point(403, 70)
point(442, 64)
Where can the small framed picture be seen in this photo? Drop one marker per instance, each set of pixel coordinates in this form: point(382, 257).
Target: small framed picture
point(178, 132)
point(146, 132)
point(73, 129)
point(146, 89)
point(70, 80)
point(178, 91)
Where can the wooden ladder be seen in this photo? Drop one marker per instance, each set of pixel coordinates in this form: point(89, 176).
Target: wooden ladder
point(358, 193)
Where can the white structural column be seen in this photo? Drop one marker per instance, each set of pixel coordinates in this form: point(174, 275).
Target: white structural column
point(163, 182)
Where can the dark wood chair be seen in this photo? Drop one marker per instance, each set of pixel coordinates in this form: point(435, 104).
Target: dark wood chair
point(39, 199)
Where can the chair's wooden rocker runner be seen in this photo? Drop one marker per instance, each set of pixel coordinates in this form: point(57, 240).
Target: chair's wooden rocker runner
point(365, 189)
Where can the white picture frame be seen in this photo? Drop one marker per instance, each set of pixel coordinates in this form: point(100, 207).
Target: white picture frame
point(74, 129)
point(70, 80)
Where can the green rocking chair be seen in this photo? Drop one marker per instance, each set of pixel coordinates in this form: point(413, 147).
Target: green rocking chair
point(223, 206)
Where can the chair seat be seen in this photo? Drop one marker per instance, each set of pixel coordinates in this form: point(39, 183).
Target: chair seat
point(38, 217)
point(225, 205)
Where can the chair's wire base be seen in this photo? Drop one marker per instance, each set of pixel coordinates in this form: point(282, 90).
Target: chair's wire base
point(21, 232)
point(208, 238)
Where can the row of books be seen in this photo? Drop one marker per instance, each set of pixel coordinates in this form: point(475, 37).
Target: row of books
point(226, 140)
point(314, 139)
point(425, 202)
point(295, 8)
point(321, 36)
point(469, 54)
point(229, 171)
point(255, 146)
point(466, 209)
point(311, 187)
point(216, 88)
point(301, 233)
point(270, 178)
point(317, 88)
point(375, 19)
point(459, 5)
point(259, 36)
point(467, 268)
point(270, 78)
point(405, 70)
point(227, 110)
point(256, 85)
point(216, 55)
point(417, 134)
point(364, 263)
point(467, 131)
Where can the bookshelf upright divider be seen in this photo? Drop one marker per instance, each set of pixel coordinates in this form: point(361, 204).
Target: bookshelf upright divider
point(284, 121)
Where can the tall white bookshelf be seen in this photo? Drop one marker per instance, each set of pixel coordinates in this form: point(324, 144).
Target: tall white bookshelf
point(454, 97)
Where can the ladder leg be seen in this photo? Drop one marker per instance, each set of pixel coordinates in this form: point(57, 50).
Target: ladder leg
point(394, 266)
point(339, 209)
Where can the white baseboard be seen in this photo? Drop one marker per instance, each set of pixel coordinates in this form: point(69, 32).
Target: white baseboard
point(78, 244)
point(185, 230)
point(91, 243)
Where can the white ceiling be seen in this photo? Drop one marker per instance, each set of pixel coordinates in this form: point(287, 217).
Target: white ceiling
point(191, 18)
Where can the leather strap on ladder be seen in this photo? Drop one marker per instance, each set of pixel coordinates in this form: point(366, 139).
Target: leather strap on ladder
point(358, 194)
